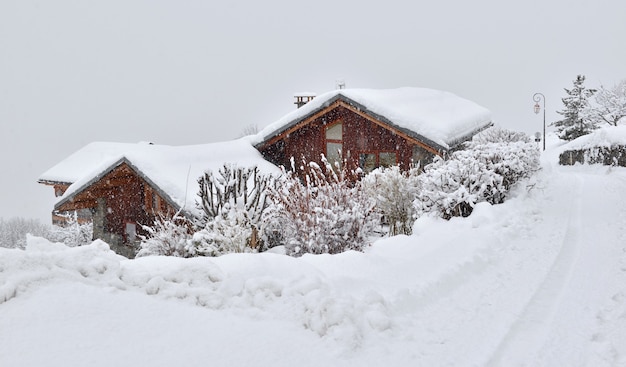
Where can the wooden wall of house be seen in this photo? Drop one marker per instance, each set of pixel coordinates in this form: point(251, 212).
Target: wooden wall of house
point(117, 199)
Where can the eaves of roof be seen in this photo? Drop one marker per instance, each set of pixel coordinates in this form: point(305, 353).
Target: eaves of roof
point(363, 109)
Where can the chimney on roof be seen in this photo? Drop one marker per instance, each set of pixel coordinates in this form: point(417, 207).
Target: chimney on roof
point(303, 98)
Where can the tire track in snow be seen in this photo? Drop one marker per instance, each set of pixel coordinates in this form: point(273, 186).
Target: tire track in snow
point(529, 332)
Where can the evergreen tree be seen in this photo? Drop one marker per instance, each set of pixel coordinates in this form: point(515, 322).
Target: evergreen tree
point(575, 122)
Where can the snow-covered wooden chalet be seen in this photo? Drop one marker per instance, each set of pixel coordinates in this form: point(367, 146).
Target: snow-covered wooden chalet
point(370, 128)
point(122, 186)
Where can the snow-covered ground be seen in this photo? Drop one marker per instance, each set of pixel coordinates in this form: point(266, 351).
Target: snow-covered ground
point(537, 281)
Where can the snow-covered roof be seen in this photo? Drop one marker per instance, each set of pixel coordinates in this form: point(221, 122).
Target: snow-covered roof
point(438, 117)
point(174, 170)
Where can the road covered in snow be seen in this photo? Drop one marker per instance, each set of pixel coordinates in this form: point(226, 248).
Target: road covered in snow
point(537, 281)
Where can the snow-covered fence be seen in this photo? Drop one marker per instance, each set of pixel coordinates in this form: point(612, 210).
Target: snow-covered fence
point(613, 156)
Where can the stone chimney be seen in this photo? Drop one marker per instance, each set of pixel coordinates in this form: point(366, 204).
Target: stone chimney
point(303, 98)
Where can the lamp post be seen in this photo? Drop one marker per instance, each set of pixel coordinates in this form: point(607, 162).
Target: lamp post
point(538, 97)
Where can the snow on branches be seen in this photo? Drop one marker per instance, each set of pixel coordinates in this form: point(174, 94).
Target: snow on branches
point(394, 191)
point(323, 213)
point(232, 202)
point(484, 172)
point(609, 105)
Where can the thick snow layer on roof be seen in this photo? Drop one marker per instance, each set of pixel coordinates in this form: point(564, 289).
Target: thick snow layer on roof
point(439, 116)
point(174, 169)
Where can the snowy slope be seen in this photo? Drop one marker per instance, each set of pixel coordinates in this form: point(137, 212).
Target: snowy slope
point(537, 281)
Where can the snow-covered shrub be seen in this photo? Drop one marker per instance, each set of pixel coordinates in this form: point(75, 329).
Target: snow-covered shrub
point(513, 161)
point(451, 188)
point(229, 232)
point(499, 135)
point(484, 172)
point(167, 237)
point(238, 189)
point(72, 233)
point(394, 191)
point(324, 214)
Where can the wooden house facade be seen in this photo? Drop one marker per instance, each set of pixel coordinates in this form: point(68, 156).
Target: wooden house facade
point(118, 201)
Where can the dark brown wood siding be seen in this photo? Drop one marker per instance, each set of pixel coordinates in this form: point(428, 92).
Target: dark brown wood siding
point(360, 135)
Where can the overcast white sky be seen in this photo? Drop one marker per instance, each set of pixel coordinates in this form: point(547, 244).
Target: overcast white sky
point(188, 72)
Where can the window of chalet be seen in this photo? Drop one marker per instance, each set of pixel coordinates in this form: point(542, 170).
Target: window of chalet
point(334, 143)
point(130, 232)
point(421, 156)
point(370, 161)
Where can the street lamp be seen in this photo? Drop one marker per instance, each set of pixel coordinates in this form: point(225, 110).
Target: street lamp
point(538, 97)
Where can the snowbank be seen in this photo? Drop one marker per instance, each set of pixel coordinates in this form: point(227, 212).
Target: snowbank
point(539, 280)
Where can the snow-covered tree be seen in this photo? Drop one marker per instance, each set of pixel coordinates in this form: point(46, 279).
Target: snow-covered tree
point(13, 231)
point(323, 213)
point(609, 105)
point(234, 188)
point(394, 191)
point(575, 122)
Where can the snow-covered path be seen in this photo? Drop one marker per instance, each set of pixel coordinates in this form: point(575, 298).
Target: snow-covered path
point(537, 281)
point(562, 322)
point(537, 291)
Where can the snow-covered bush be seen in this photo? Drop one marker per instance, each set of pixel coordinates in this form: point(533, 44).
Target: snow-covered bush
point(394, 191)
point(229, 232)
point(235, 192)
point(167, 237)
point(484, 172)
point(451, 188)
point(72, 233)
point(499, 135)
point(324, 214)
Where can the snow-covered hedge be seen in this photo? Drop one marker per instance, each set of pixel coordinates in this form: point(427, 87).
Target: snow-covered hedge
point(605, 146)
point(324, 214)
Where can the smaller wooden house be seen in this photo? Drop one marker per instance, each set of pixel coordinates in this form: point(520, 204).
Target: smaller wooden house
point(120, 187)
point(371, 128)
